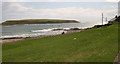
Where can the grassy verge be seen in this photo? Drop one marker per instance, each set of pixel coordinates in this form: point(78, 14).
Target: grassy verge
point(92, 45)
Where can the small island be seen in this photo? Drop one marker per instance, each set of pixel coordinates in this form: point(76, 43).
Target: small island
point(37, 21)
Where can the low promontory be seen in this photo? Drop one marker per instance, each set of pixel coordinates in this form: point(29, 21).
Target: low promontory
point(37, 21)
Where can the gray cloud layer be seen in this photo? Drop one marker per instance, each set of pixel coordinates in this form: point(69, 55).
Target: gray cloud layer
point(60, 0)
point(90, 15)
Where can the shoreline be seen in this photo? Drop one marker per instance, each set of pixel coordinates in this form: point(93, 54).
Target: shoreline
point(49, 32)
point(53, 32)
point(10, 40)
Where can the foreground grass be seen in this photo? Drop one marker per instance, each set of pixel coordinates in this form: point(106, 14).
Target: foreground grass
point(92, 45)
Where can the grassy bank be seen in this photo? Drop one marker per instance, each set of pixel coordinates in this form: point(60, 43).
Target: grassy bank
point(37, 21)
point(92, 45)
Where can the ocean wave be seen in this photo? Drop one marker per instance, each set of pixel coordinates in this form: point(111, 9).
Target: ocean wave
point(35, 33)
point(44, 30)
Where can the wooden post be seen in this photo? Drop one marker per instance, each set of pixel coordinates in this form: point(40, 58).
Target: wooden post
point(102, 18)
point(106, 19)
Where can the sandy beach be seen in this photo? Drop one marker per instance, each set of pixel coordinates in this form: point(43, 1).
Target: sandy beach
point(10, 40)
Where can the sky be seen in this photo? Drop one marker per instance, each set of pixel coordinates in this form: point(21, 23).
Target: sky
point(81, 10)
point(60, 0)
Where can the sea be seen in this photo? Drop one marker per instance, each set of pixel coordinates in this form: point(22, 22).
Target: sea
point(32, 30)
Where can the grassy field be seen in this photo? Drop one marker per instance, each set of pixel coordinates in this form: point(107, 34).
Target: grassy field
point(37, 21)
point(92, 45)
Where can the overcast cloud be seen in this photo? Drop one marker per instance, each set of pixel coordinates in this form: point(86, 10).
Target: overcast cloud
point(82, 14)
point(60, 0)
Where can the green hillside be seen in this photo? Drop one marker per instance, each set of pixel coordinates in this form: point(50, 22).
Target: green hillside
point(92, 45)
point(37, 21)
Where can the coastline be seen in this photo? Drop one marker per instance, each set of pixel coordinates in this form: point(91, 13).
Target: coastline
point(44, 33)
point(50, 32)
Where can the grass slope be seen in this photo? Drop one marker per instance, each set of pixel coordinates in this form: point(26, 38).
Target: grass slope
point(92, 45)
point(37, 21)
